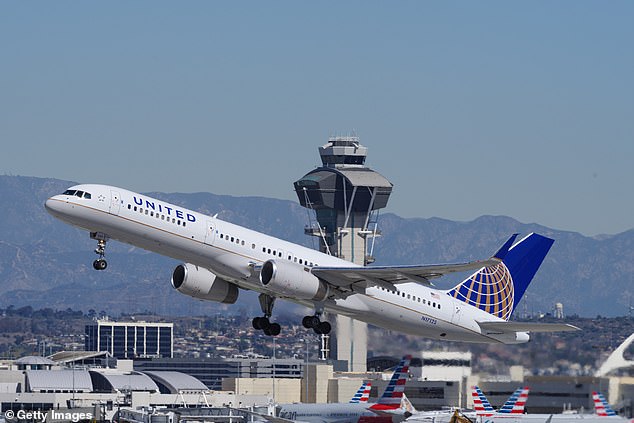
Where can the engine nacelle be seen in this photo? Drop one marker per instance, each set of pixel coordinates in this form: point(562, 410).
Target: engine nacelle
point(292, 280)
point(200, 283)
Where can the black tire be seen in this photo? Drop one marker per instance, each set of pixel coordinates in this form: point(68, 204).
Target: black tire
point(275, 329)
point(267, 331)
point(307, 322)
point(100, 264)
point(265, 324)
point(325, 328)
point(256, 323)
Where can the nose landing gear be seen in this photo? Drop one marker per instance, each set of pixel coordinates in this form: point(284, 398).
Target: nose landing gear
point(100, 263)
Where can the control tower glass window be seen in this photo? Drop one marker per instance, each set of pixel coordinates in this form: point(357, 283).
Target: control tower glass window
point(351, 160)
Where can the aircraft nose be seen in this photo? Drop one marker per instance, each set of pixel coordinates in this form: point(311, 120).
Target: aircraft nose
point(54, 206)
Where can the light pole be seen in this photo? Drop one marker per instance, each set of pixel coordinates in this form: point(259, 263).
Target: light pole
point(306, 371)
point(273, 370)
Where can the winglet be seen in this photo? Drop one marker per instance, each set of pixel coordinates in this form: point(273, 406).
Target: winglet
point(501, 253)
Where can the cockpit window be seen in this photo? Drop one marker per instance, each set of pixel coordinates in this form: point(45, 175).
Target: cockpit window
point(80, 194)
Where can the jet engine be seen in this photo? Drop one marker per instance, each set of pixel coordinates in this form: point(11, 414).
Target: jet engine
point(292, 280)
point(200, 283)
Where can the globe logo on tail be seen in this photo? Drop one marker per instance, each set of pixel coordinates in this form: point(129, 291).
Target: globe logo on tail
point(490, 289)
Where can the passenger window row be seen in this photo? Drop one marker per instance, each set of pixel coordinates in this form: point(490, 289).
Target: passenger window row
point(235, 240)
point(152, 213)
point(265, 250)
point(413, 298)
point(289, 257)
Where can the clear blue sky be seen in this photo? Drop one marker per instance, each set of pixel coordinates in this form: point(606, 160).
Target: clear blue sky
point(524, 109)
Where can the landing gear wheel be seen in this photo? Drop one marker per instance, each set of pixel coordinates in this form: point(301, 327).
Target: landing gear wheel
point(310, 322)
point(263, 323)
point(324, 328)
point(274, 329)
point(256, 323)
point(100, 264)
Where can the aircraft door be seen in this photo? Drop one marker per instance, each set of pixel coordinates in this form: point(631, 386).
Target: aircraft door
point(210, 232)
point(115, 202)
point(457, 312)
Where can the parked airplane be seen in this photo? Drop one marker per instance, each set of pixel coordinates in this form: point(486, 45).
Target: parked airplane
point(220, 257)
point(386, 410)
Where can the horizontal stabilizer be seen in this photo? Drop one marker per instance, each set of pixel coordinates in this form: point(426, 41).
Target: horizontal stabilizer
point(491, 328)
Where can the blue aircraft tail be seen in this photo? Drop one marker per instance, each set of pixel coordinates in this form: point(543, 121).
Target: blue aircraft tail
point(499, 288)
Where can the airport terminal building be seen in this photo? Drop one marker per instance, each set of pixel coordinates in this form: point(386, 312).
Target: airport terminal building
point(129, 340)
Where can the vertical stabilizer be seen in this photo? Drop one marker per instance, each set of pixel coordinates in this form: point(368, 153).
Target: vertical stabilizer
point(391, 398)
point(481, 403)
point(516, 402)
point(601, 406)
point(363, 394)
point(498, 289)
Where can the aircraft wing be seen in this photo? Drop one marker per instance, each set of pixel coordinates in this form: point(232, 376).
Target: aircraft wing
point(356, 278)
point(388, 276)
point(499, 328)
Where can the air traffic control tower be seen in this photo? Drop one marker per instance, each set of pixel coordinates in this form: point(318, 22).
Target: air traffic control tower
point(346, 197)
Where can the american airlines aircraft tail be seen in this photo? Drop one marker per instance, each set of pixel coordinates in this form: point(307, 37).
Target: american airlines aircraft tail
point(220, 259)
point(481, 403)
point(393, 394)
point(515, 404)
point(601, 406)
point(363, 394)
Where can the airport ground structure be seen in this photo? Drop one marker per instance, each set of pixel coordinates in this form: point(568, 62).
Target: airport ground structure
point(96, 383)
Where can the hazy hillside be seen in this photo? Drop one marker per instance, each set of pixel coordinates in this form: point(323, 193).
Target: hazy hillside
point(45, 263)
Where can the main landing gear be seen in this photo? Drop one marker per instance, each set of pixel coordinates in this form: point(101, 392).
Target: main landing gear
point(263, 323)
point(314, 323)
point(100, 263)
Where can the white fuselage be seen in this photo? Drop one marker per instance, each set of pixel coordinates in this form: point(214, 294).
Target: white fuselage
point(233, 252)
point(324, 413)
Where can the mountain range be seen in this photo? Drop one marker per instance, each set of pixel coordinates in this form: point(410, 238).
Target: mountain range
point(46, 263)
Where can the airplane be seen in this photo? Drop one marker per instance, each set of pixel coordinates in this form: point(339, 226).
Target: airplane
point(386, 410)
point(220, 258)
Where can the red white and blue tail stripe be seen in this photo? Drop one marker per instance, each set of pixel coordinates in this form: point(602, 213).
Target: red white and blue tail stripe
point(391, 398)
point(363, 394)
point(481, 404)
point(601, 406)
point(516, 402)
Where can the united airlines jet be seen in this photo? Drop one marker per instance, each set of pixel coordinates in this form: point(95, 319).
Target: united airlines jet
point(220, 258)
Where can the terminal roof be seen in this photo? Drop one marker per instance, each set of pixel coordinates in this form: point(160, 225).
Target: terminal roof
point(176, 382)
